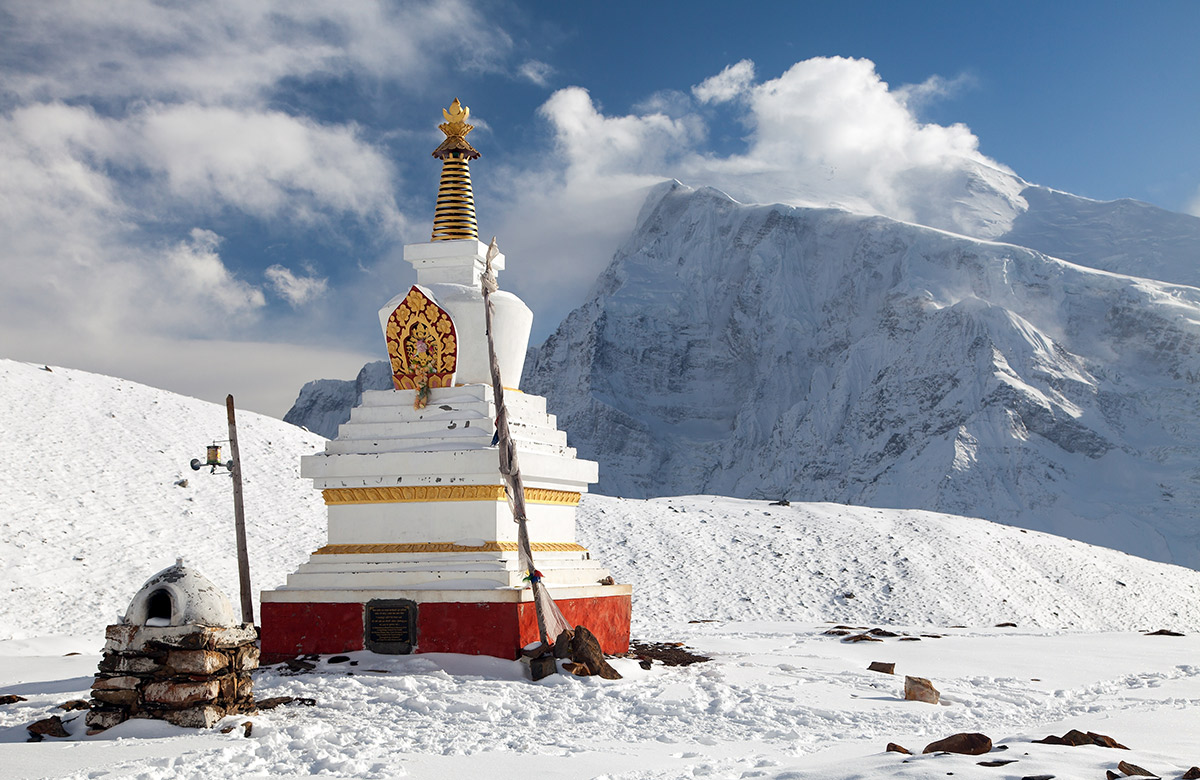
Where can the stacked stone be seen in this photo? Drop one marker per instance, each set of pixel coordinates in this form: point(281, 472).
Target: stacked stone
point(190, 675)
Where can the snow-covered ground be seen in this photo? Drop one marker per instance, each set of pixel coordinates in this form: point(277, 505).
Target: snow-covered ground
point(89, 509)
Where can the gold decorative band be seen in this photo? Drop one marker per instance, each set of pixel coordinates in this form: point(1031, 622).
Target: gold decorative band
point(443, 547)
point(400, 495)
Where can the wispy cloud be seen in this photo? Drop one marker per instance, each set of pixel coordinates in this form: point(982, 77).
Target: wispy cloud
point(536, 71)
point(732, 82)
point(296, 290)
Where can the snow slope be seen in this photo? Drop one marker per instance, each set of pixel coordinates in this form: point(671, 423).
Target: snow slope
point(771, 351)
point(91, 511)
point(780, 700)
point(89, 508)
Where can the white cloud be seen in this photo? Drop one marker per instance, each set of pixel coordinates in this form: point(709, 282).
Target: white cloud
point(296, 290)
point(828, 131)
point(916, 96)
point(230, 50)
point(730, 83)
point(123, 122)
point(536, 71)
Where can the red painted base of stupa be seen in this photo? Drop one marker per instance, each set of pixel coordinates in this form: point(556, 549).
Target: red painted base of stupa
point(499, 629)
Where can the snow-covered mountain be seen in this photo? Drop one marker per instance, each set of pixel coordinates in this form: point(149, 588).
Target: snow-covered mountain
point(819, 355)
point(324, 404)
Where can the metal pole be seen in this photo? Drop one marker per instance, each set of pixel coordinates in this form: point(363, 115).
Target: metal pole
point(239, 517)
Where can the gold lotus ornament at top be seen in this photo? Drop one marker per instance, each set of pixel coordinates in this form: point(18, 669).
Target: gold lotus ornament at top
point(422, 346)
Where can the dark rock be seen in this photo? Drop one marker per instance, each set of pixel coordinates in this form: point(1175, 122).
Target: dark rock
point(1006, 625)
point(1133, 769)
point(75, 704)
point(339, 659)
point(1038, 777)
point(862, 638)
point(272, 703)
point(920, 689)
point(892, 747)
point(967, 744)
point(297, 665)
point(1163, 632)
point(836, 632)
point(998, 762)
point(542, 666)
point(1074, 738)
point(11, 698)
point(910, 639)
point(881, 632)
point(562, 645)
point(48, 727)
point(880, 666)
point(1191, 774)
point(585, 649)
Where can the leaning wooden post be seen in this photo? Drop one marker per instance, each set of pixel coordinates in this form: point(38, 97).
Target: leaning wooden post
point(239, 518)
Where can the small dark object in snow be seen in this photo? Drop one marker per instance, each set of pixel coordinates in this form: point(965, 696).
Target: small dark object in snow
point(966, 744)
point(542, 666)
point(247, 728)
point(11, 698)
point(48, 727)
point(836, 632)
point(932, 636)
point(910, 639)
point(881, 632)
point(297, 665)
point(998, 762)
point(881, 666)
point(270, 704)
point(586, 652)
point(1038, 777)
point(1075, 738)
point(847, 595)
point(47, 368)
point(1163, 632)
point(1191, 774)
point(1006, 625)
point(608, 581)
point(1111, 775)
point(894, 748)
point(862, 638)
point(667, 653)
point(781, 502)
point(1134, 769)
point(702, 621)
point(339, 659)
point(181, 483)
point(75, 704)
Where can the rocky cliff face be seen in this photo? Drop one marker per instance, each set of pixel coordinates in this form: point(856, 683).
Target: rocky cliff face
point(770, 351)
point(324, 404)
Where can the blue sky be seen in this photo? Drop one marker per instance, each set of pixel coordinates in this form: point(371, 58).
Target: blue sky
point(213, 196)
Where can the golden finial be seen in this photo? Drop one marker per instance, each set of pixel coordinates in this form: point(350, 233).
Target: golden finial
point(454, 217)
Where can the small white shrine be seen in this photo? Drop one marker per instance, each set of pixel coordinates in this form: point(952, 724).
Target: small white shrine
point(422, 547)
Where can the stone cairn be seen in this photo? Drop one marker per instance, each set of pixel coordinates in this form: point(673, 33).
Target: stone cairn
point(177, 655)
point(191, 676)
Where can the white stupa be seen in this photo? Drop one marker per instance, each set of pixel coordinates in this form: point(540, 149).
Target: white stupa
point(422, 546)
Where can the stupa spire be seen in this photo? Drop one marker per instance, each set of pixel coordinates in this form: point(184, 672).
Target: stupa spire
point(454, 217)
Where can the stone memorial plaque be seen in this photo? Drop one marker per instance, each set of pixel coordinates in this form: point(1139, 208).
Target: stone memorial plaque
point(391, 626)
